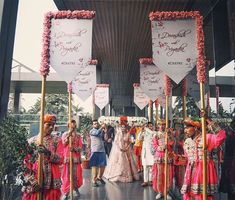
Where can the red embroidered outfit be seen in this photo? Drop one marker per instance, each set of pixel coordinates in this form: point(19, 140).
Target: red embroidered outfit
point(137, 150)
point(193, 181)
point(179, 165)
point(158, 172)
point(77, 169)
point(51, 171)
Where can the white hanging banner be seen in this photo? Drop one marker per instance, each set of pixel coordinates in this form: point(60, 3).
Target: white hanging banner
point(193, 87)
point(70, 46)
point(174, 46)
point(101, 95)
point(151, 81)
point(85, 82)
point(140, 98)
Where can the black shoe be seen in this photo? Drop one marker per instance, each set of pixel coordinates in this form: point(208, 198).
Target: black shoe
point(77, 193)
point(95, 184)
point(66, 196)
point(101, 181)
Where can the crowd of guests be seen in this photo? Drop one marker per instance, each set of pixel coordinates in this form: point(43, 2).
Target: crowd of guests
point(128, 153)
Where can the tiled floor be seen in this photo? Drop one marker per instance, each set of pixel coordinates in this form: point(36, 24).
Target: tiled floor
point(114, 191)
point(120, 191)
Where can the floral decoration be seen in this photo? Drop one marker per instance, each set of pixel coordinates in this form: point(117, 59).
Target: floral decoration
point(83, 14)
point(70, 88)
point(114, 121)
point(123, 120)
point(201, 70)
point(93, 62)
point(136, 85)
point(167, 85)
point(146, 61)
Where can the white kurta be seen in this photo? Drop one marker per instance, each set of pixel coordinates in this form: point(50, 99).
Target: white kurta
point(147, 136)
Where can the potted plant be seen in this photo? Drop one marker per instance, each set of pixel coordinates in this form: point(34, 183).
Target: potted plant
point(13, 139)
point(85, 126)
point(86, 151)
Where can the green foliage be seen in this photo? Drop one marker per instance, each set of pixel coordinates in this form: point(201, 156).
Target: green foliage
point(192, 109)
point(13, 140)
point(222, 112)
point(178, 109)
point(55, 104)
point(85, 125)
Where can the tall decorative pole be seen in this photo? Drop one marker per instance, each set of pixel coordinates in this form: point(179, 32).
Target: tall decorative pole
point(184, 94)
point(161, 46)
point(93, 62)
point(40, 156)
point(44, 71)
point(70, 142)
point(150, 111)
point(201, 77)
point(51, 56)
point(167, 82)
point(157, 111)
point(208, 104)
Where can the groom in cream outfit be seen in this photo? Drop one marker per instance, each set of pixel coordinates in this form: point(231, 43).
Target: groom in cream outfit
point(146, 135)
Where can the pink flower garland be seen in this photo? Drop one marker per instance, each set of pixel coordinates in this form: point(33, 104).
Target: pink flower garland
point(136, 85)
point(167, 85)
point(201, 73)
point(184, 87)
point(45, 65)
point(173, 15)
point(146, 61)
point(93, 62)
point(70, 89)
point(201, 69)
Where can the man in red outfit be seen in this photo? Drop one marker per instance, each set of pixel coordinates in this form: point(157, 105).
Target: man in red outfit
point(158, 171)
point(193, 151)
point(77, 169)
point(52, 159)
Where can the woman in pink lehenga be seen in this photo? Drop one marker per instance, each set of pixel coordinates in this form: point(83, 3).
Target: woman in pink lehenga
point(121, 166)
